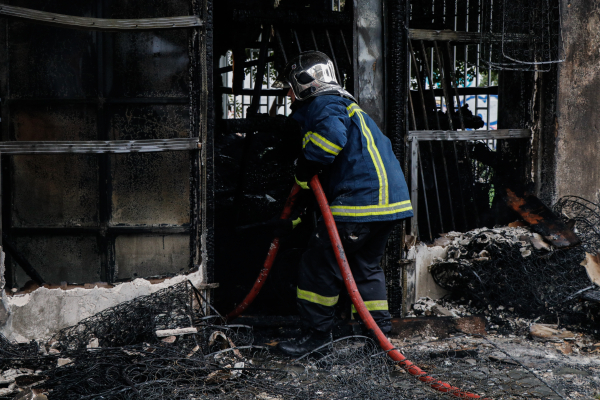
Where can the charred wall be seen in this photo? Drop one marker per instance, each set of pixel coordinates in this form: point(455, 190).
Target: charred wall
point(396, 49)
point(578, 107)
point(99, 217)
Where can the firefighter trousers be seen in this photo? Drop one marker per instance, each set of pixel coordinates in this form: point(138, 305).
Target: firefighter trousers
point(320, 280)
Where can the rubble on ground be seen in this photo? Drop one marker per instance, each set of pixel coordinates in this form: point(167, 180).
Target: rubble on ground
point(122, 353)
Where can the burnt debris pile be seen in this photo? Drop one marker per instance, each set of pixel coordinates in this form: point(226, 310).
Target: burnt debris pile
point(517, 270)
point(165, 346)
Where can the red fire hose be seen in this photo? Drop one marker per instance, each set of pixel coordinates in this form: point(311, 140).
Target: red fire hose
point(264, 272)
point(363, 313)
point(357, 300)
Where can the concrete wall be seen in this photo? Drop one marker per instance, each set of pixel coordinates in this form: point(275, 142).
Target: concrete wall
point(42, 313)
point(578, 106)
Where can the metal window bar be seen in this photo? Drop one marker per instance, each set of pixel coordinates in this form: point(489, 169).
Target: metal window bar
point(236, 106)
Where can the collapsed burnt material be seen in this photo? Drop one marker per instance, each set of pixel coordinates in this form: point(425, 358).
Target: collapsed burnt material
point(517, 269)
point(21, 355)
point(350, 368)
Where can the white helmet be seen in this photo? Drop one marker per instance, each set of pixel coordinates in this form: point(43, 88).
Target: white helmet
point(312, 74)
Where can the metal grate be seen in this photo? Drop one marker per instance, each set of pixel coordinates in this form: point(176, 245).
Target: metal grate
point(472, 83)
point(236, 106)
point(338, 5)
point(453, 108)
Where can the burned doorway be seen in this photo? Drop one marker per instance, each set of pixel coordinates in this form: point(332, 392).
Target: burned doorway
point(255, 144)
point(125, 97)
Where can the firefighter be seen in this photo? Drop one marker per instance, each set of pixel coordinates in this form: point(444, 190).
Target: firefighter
point(365, 188)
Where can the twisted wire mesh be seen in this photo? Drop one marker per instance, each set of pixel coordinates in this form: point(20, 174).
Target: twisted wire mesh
point(135, 321)
point(348, 368)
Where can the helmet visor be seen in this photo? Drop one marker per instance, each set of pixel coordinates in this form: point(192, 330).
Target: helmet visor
point(319, 69)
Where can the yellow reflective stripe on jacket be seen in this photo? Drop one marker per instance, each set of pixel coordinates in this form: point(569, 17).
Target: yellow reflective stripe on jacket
point(317, 298)
point(352, 108)
point(374, 152)
point(365, 211)
point(305, 140)
point(374, 305)
point(321, 142)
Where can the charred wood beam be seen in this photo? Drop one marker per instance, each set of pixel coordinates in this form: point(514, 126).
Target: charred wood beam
point(470, 135)
point(280, 43)
point(280, 17)
point(82, 100)
point(541, 219)
point(101, 24)
point(99, 146)
point(337, 71)
point(239, 66)
point(21, 260)
point(260, 70)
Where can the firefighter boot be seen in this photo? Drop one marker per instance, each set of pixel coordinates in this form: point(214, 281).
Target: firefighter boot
point(310, 340)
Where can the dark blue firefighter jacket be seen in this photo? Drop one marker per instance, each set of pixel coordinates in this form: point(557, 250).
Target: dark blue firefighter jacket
point(364, 181)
